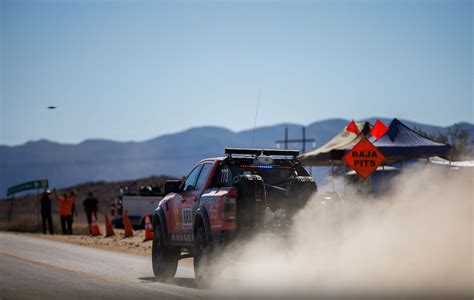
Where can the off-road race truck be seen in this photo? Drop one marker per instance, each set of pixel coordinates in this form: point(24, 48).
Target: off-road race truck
point(247, 191)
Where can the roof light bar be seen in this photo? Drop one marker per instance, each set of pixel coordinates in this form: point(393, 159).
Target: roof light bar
point(264, 167)
point(256, 166)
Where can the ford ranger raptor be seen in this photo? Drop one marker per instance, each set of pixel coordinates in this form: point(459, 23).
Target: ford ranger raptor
point(224, 198)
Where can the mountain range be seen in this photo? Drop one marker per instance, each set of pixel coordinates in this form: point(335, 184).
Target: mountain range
point(170, 154)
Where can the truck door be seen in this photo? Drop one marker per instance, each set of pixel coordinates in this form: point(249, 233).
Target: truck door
point(182, 206)
point(201, 184)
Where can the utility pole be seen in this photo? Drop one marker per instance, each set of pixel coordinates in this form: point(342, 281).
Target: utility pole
point(304, 140)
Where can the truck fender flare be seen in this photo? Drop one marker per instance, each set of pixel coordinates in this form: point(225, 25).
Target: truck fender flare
point(202, 213)
point(159, 218)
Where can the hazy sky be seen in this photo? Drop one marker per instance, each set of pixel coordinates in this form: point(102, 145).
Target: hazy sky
point(132, 70)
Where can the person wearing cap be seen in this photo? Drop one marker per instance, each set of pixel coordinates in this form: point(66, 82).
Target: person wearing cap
point(46, 216)
point(65, 211)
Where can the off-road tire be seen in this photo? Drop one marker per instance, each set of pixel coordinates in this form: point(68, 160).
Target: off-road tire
point(301, 189)
point(201, 253)
point(164, 260)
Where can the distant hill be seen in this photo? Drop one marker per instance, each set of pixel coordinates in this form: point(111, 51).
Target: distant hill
point(171, 154)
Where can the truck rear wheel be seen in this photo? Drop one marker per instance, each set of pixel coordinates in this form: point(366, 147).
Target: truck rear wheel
point(164, 260)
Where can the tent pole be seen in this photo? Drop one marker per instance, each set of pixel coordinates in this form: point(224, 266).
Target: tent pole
point(332, 176)
point(371, 183)
point(383, 177)
point(450, 166)
point(344, 183)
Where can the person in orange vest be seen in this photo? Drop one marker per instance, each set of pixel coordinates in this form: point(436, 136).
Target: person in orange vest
point(65, 211)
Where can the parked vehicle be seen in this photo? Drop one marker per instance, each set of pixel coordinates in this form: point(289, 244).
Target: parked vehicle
point(136, 205)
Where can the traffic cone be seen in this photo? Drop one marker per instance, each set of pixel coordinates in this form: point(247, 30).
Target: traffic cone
point(127, 225)
point(109, 231)
point(94, 226)
point(148, 228)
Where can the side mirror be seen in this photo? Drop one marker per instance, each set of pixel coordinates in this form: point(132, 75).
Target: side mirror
point(172, 186)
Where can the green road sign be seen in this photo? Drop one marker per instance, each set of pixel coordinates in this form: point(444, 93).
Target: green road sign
point(32, 185)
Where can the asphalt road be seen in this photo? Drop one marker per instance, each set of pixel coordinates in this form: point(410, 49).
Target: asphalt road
point(34, 268)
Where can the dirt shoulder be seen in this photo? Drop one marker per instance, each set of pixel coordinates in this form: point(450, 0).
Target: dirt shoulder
point(117, 243)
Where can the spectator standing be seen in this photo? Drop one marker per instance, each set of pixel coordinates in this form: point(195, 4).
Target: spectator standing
point(90, 205)
point(46, 216)
point(73, 193)
point(65, 211)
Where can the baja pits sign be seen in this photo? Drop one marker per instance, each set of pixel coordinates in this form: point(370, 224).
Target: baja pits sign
point(364, 158)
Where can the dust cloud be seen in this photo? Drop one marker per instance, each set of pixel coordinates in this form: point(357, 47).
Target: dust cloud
point(415, 241)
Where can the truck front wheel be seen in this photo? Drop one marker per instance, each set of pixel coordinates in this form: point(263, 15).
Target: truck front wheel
point(164, 260)
point(201, 253)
